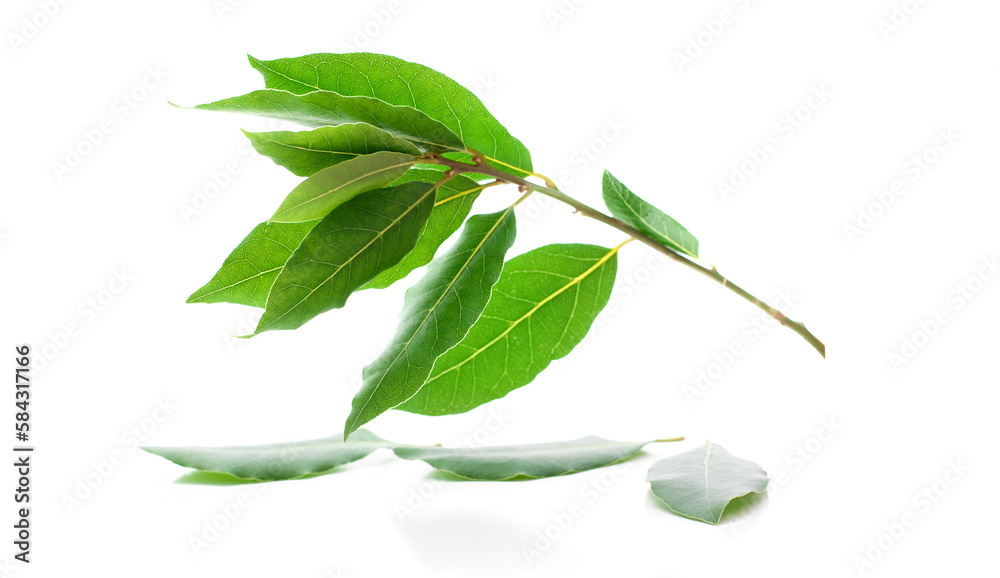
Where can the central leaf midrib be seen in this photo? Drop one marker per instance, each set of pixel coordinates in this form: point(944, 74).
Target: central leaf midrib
point(379, 235)
point(532, 452)
point(574, 281)
point(652, 227)
point(708, 501)
point(432, 309)
point(342, 185)
point(241, 281)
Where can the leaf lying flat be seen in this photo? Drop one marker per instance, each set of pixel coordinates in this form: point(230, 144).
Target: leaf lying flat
point(628, 207)
point(306, 152)
point(700, 483)
point(321, 108)
point(453, 204)
point(524, 461)
point(273, 462)
point(346, 250)
point(437, 313)
point(400, 83)
point(542, 307)
point(323, 192)
point(247, 274)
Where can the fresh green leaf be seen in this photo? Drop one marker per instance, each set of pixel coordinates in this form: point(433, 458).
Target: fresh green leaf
point(628, 207)
point(524, 461)
point(401, 83)
point(249, 271)
point(321, 108)
point(454, 201)
point(305, 152)
point(270, 462)
point(323, 192)
point(347, 249)
point(542, 307)
point(700, 483)
point(437, 313)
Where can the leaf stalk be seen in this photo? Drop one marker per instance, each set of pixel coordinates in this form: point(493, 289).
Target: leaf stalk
point(481, 166)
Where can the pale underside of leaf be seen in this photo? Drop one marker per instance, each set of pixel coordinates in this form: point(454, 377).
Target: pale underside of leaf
point(324, 191)
point(628, 207)
point(701, 483)
point(248, 272)
point(272, 462)
point(400, 83)
point(321, 108)
point(306, 152)
point(541, 308)
point(524, 461)
point(437, 313)
point(347, 249)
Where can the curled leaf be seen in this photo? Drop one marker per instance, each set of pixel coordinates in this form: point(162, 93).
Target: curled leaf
point(699, 484)
point(524, 461)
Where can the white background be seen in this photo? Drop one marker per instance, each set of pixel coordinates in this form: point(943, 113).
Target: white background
point(556, 83)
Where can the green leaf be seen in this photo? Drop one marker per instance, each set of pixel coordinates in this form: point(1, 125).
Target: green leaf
point(323, 192)
point(437, 313)
point(249, 271)
point(700, 483)
point(542, 307)
point(320, 108)
point(305, 152)
point(454, 201)
point(346, 250)
point(272, 462)
point(524, 461)
point(401, 83)
point(627, 207)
